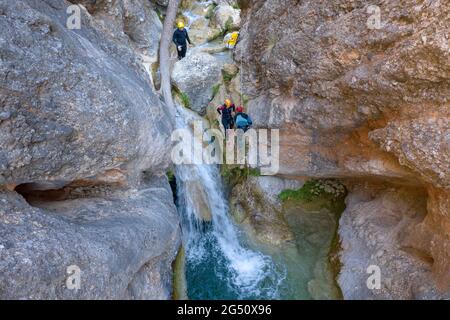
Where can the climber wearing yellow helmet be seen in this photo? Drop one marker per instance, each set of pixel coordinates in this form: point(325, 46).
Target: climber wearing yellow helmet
point(180, 36)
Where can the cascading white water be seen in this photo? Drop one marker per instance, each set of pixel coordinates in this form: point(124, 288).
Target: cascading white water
point(214, 249)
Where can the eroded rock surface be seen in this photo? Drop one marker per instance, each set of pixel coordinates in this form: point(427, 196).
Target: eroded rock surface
point(318, 72)
point(376, 231)
point(123, 243)
point(80, 123)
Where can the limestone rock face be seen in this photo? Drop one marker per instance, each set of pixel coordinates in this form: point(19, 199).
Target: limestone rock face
point(79, 126)
point(422, 144)
point(360, 98)
point(375, 231)
point(134, 22)
point(79, 102)
point(318, 71)
point(195, 76)
point(123, 243)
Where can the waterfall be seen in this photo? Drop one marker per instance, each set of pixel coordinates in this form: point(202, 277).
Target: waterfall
point(223, 267)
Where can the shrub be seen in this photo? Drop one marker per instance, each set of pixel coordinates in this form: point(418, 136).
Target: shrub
point(170, 176)
point(233, 174)
point(227, 77)
point(184, 99)
point(228, 26)
point(160, 14)
point(314, 189)
point(210, 12)
point(215, 90)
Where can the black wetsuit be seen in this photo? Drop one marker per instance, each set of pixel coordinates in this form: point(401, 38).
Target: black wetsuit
point(227, 117)
point(180, 36)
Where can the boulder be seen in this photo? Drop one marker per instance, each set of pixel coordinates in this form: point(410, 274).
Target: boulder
point(195, 76)
point(254, 204)
point(226, 17)
point(200, 31)
point(230, 69)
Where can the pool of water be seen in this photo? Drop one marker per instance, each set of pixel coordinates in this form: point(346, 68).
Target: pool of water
point(210, 274)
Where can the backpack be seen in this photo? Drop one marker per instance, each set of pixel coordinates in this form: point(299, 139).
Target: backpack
point(241, 121)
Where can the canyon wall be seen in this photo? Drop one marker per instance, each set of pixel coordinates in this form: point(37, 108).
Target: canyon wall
point(83, 153)
point(365, 100)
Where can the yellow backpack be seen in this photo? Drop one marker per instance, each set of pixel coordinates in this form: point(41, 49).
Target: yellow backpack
point(231, 39)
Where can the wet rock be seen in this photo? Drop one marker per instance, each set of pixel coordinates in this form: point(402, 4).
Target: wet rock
point(180, 283)
point(256, 206)
point(199, 200)
point(301, 235)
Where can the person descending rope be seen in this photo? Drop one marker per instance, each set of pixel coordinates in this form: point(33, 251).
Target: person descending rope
point(242, 120)
point(180, 36)
point(227, 110)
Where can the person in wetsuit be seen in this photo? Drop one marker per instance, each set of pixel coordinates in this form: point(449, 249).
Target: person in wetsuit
point(242, 120)
point(180, 38)
point(226, 111)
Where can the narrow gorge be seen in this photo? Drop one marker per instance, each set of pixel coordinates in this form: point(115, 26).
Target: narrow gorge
point(91, 113)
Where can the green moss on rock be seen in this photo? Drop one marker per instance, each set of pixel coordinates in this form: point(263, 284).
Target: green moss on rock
point(315, 194)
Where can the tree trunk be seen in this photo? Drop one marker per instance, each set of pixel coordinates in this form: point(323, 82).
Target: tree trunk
point(164, 54)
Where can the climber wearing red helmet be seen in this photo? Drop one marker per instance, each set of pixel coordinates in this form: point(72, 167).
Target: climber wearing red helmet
point(242, 120)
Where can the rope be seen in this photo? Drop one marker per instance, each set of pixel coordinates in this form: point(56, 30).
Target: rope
point(241, 75)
